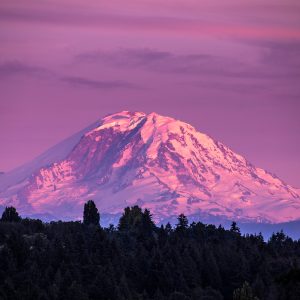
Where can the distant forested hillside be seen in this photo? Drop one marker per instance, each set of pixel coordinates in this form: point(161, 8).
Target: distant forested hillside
point(138, 260)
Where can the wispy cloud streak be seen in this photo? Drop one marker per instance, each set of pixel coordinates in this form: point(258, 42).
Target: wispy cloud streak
point(10, 68)
point(195, 21)
point(97, 84)
point(276, 62)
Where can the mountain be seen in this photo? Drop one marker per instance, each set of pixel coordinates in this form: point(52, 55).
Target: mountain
point(157, 162)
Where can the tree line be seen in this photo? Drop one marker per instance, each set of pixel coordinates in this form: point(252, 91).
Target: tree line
point(140, 261)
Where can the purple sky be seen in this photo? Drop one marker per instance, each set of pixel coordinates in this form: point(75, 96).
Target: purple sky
point(229, 68)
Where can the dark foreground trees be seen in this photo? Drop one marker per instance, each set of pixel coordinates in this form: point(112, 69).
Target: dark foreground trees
point(10, 215)
point(138, 260)
point(91, 215)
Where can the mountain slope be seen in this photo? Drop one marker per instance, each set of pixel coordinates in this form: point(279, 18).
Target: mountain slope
point(153, 161)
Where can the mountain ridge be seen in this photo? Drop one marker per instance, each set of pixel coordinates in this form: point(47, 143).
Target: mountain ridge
point(157, 162)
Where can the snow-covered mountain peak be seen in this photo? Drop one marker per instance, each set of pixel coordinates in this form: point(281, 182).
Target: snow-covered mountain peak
point(154, 161)
point(122, 121)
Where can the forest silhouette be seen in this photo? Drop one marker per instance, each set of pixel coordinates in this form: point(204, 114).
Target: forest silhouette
point(139, 260)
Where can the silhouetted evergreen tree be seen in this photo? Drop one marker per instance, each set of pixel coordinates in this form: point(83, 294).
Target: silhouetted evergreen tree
point(91, 214)
point(135, 219)
point(234, 228)
point(10, 214)
point(182, 222)
point(131, 217)
point(168, 228)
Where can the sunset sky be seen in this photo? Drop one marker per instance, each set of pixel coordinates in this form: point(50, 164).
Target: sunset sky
point(229, 68)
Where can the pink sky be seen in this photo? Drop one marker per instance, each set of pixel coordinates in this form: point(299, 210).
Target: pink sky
point(229, 68)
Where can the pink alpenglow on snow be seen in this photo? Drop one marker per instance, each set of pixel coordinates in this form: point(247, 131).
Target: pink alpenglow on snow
point(157, 162)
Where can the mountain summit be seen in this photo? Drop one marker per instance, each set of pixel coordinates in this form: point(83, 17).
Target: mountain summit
point(157, 162)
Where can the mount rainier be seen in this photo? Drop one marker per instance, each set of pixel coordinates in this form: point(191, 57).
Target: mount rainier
point(156, 162)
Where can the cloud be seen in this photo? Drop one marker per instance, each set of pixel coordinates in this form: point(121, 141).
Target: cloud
point(126, 57)
point(188, 19)
point(96, 84)
point(282, 53)
point(274, 72)
point(229, 86)
point(17, 68)
point(273, 64)
point(279, 59)
point(152, 60)
point(11, 68)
